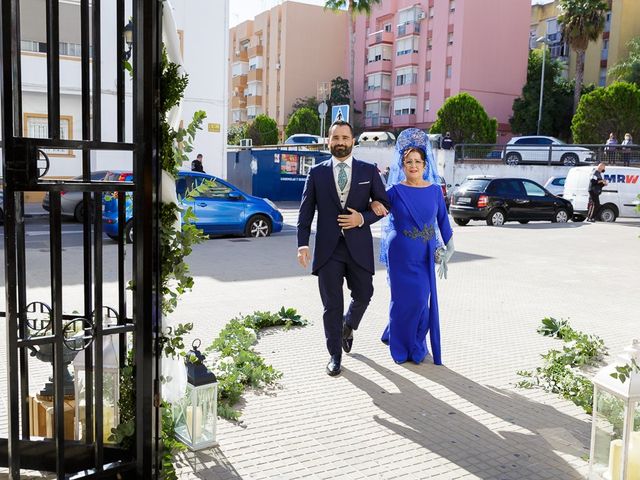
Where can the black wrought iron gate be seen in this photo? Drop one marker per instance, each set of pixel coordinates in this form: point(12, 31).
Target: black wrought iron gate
point(45, 327)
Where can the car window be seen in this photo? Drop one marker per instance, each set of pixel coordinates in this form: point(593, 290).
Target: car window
point(505, 188)
point(475, 185)
point(544, 141)
point(215, 189)
point(533, 190)
point(524, 141)
point(558, 182)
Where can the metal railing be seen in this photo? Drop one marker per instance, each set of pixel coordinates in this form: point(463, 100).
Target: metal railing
point(568, 155)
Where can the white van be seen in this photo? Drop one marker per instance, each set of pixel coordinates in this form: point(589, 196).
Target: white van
point(618, 199)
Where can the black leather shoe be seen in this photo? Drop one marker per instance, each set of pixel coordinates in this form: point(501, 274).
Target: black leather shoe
point(347, 337)
point(333, 367)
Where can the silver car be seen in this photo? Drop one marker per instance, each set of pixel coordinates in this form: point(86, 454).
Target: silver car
point(541, 149)
point(71, 202)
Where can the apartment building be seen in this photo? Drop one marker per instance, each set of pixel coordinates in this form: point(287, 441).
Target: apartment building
point(621, 26)
point(412, 55)
point(281, 55)
point(202, 30)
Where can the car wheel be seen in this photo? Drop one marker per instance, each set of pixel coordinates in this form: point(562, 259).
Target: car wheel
point(512, 158)
point(578, 218)
point(561, 216)
point(569, 159)
point(461, 221)
point(607, 214)
point(258, 226)
point(128, 231)
point(78, 213)
point(496, 217)
point(523, 222)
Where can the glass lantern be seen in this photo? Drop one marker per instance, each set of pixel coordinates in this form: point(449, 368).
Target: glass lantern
point(196, 415)
point(615, 434)
point(110, 389)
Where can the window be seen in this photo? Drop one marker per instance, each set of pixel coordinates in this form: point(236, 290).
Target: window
point(407, 16)
point(602, 79)
point(379, 81)
point(452, 5)
point(427, 77)
point(427, 105)
point(387, 27)
point(430, 12)
point(429, 43)
point(505, 188)
point(36, 126)
point(533, 190)
point(406, 76)
point(407, 45)
point(450, 38)
point(378, 53)
point(449, 71)
point(253, 111)
point(404, 106)
point(607, 22)
point(215, 190)
point(604, 55)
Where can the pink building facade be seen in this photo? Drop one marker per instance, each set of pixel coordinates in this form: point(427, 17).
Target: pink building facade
point(412, 55)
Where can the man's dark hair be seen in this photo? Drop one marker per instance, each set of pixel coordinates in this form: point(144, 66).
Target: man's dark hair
point(341, 123)
point(199, 155)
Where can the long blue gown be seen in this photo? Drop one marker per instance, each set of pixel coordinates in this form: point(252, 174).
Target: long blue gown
point(413, 312)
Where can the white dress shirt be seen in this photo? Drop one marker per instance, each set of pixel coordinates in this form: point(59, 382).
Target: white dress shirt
point(342, 195)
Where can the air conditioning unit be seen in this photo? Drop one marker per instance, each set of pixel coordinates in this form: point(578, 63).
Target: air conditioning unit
point(246, 142)
point(421, 16)
point(277, 66)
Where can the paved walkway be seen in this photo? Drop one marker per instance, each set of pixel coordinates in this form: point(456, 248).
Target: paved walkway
point(381, 420)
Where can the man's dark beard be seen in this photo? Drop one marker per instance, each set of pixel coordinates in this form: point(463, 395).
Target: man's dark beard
point(341, 151)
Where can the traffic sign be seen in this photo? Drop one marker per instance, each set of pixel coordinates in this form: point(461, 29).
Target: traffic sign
point(340, 113)
point(322, 108)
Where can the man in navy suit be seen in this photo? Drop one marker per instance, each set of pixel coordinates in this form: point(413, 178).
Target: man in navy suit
point(341, 190)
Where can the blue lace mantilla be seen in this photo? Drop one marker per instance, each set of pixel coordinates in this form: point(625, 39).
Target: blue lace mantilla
point(426, 234)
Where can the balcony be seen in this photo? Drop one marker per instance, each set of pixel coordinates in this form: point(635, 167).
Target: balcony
point(255, 75)
point(376, 121)
point(382, 65)
point(239, 81)
point(412, 28)
point(377, 94)
point(255, 51)
point(408, 120)
point(240, 56)
point(379, 37)
point(407, 59)
point(254, 101)
point(238, 102)
point(404, 90)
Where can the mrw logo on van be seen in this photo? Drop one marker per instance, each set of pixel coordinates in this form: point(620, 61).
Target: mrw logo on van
point(621, 178)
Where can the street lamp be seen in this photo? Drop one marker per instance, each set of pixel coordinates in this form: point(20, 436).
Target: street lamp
point(542, 40)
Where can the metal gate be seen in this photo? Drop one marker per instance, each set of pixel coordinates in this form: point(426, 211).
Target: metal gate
point(45, 326)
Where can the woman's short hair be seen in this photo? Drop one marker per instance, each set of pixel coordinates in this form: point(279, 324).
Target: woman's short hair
point(419, 151)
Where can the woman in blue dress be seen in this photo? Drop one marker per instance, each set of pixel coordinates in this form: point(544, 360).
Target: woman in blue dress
point(416, 236)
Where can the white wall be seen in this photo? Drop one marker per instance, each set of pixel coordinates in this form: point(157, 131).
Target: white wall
point(455, 173)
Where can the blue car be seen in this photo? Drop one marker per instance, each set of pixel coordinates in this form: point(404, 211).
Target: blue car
point(220, 208)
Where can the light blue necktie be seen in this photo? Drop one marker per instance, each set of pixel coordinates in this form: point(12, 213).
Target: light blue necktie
point(342, 176)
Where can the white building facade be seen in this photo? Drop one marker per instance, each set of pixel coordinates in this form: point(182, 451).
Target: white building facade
point(202, 29)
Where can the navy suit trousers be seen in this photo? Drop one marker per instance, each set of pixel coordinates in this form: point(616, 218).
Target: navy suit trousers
point(331, 278)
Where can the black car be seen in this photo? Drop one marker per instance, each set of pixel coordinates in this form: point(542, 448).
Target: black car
point(500, 200)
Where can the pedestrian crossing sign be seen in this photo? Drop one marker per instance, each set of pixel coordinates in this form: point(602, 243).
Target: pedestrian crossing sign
point(339, 113)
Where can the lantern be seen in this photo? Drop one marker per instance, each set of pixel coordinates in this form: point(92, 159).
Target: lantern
point(615, 434)
point(110, 389)
point(196, 415)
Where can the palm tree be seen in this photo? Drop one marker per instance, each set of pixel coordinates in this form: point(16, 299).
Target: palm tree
point(354, 8)
point(581, 21)
point(628, 69)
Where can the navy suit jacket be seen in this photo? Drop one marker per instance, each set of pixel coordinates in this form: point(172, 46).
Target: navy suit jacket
point(320, 194)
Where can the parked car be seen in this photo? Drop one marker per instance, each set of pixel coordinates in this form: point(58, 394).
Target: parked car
point(220, 208)
point(535, 149)
point(555, 185)
point(71, 204)
point(304, 139)
point(500, 200)
point(374, 139)
point(619, 198)
point(443, 186)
